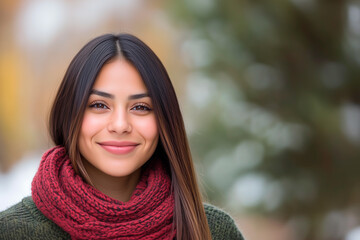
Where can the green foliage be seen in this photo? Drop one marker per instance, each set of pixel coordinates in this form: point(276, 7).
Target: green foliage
point(274, 95)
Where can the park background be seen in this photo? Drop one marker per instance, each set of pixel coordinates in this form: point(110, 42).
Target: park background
point(269, 90)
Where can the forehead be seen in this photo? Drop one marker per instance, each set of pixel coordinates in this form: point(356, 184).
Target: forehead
point(119, 75)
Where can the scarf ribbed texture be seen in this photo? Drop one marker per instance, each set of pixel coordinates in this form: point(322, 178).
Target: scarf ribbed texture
point(86, 213)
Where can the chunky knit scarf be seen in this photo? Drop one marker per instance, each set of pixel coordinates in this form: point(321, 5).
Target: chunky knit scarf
point(86, 213)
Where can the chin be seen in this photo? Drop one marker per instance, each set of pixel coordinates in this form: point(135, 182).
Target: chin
point(120, 171)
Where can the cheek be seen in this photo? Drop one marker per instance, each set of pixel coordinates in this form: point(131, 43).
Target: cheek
point(148, 128)
point(90, 125)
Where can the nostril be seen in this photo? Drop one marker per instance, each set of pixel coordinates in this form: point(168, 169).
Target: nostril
point(119, 124)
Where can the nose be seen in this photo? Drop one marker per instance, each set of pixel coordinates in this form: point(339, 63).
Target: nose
point(119, 122)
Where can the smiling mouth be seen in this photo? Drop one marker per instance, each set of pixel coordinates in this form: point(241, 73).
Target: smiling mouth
point(119, 148)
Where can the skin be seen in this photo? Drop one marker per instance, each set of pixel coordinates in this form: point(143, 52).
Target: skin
point(119, 111)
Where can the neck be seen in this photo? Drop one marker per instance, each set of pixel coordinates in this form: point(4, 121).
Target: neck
point(119, 188)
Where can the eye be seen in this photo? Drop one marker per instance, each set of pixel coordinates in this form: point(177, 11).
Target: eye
point(98, 105)
point(141, 108)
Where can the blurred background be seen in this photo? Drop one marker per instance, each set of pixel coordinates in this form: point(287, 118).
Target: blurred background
point(269, 90)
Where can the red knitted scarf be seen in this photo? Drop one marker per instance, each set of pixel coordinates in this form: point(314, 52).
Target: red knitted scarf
point(86, 213)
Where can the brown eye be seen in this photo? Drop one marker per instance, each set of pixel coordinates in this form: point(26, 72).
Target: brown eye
point(141, 108)
point(98, 106)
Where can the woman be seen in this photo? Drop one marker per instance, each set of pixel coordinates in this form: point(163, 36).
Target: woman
point(122, 167)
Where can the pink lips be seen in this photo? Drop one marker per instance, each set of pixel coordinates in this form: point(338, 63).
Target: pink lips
point(118, 147)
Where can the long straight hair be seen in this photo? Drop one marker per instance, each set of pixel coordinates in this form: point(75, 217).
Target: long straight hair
point(70, 102)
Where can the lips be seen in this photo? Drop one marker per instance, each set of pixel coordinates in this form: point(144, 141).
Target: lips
point(118, 147)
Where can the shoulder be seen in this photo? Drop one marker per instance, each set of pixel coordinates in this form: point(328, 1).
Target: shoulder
point(25, 221)
point(221, 224)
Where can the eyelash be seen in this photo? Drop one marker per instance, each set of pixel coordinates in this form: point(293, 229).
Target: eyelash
point(100, 105)
point(145, 107)
point(96, 105)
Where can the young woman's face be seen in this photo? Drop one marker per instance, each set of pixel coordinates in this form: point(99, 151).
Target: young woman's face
point(119, 131)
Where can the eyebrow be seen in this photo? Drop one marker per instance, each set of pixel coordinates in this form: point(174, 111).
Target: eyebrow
point(102, 94)
point(111, 96)
point(138, 96)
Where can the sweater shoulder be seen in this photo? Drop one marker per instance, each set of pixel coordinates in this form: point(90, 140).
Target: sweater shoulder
point(25, 221)
point(221, 224)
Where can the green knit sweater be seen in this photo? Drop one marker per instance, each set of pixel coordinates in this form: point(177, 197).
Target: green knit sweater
point(24, 221)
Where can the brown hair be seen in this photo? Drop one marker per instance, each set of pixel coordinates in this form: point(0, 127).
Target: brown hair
point(68, 109)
